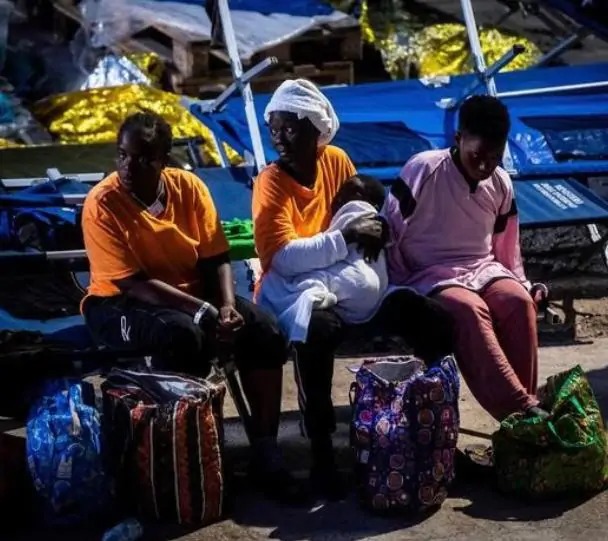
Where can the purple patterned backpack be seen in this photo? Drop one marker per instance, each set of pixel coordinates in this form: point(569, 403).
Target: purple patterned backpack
point(404, 432)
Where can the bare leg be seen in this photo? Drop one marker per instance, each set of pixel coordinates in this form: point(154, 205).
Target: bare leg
point(262, 390)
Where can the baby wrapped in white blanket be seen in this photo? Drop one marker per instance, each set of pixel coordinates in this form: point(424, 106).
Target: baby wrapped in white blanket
point(352, 286)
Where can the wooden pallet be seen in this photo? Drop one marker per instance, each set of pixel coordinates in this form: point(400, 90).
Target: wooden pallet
point(193, 57)
point(330, 73)
point(332, 42)
point(187, 52)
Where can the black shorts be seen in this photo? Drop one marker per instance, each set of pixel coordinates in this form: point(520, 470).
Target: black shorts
point(124, 323)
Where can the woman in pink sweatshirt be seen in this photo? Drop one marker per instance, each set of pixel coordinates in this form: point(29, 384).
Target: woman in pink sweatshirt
point(455, 237)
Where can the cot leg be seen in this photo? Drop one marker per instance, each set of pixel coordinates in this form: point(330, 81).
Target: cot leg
point(570, 312)
point(228, 372)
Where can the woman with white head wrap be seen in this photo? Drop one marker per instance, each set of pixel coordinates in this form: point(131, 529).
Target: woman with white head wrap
point(292, 200)
point(305, 100)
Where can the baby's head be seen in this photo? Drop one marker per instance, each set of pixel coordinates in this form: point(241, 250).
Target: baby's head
point(359, 188)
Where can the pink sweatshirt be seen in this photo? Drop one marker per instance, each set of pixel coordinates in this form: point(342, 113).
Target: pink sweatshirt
point(447, 232)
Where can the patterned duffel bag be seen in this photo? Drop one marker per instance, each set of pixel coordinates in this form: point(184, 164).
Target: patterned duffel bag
point(404, 432)
point(166, 437)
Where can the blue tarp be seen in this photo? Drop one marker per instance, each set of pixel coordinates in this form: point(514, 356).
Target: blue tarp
point(384, 124)
point(298, 8)
point(24, 206)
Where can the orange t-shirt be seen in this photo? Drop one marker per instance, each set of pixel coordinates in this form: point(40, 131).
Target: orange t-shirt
point(123, 239)
point(284, 210)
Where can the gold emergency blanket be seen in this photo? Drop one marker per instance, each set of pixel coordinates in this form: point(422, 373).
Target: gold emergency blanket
point(443, 49)
point(7, 143)
point(413, 47)
point(148, 63)
point(94, 116)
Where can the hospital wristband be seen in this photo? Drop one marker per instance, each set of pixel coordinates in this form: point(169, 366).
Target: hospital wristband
point(200, 313)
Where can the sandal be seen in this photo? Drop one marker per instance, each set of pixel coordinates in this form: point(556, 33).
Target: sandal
point(475, 462)
point(480, 455)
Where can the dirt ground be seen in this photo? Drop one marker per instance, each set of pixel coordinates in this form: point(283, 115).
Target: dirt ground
point(592, 318)
point(474, 511)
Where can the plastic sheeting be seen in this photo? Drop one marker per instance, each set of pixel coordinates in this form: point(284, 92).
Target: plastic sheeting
point(115, 70)
point(574, 137)
point(258, 24)
point(7, 110)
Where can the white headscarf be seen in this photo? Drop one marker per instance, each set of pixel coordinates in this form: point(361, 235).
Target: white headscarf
point(304, 99)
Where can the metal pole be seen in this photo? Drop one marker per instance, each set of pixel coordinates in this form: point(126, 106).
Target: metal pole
point(562, 46)
point(62, 255)
point(237, 73)
point(480, 67)
point(475, 44)
point(551, 89)
point(42, 200)
point(508, 57)
point(246, 78)
point(14, 183)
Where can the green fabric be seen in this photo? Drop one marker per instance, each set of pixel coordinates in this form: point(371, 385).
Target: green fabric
point(565, 453)
point(240, 238)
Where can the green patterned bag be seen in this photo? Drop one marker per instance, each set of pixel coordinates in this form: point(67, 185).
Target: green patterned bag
point(566, 453)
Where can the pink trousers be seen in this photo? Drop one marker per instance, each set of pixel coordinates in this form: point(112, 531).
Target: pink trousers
point(496, 344)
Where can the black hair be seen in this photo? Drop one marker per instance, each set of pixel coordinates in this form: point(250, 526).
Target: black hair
point(485, 117)
point(151, 128)
point(374, 190)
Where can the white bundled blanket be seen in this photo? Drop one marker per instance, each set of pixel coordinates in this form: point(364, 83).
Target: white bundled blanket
point(351, 286)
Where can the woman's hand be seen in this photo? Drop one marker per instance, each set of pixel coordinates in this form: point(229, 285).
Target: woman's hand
point(540, 294)
point(369, 234)
point(229, 321)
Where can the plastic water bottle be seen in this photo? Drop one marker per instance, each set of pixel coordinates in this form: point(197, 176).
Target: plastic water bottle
point(128, 530)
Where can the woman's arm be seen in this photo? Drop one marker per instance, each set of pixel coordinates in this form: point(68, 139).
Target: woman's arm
point(158, 293)
point(273, 228)
point(277, 243)
point(505, 241)
point(213, 249)
point(111, 259)
point(217, 279)
point(398, 208)
point(307, 254)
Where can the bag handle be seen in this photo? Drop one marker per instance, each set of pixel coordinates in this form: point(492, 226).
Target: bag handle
point(150, 383)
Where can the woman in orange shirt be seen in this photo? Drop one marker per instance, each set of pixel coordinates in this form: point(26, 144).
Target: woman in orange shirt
point(157, 249)
point(291, 209)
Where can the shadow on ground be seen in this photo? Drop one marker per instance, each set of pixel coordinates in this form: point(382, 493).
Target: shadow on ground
point(486, 503)
point(348, 522)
